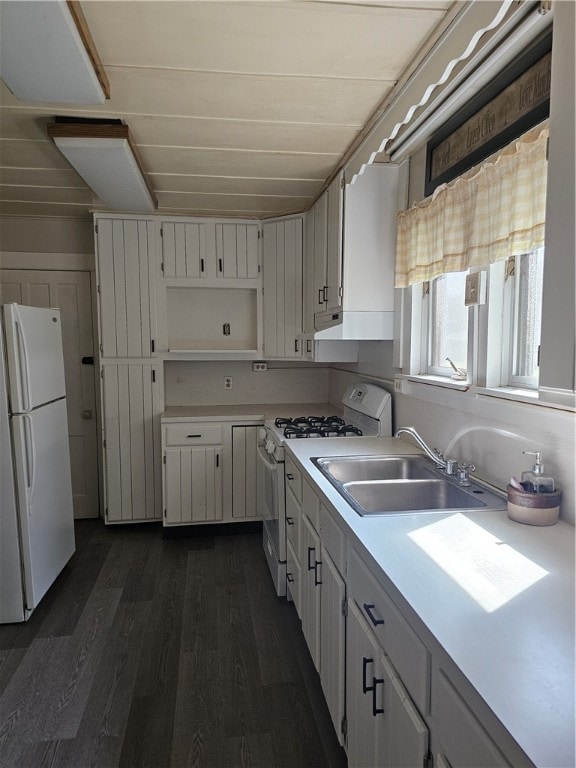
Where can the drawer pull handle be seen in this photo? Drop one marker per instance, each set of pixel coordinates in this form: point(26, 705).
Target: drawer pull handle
point(311, 566)
point(317, 581)
point(368, 607)
point(193, 436)
point(289, 578)
point(375, 709)
point(289, 521)
point(289, 476)
point(365, 686)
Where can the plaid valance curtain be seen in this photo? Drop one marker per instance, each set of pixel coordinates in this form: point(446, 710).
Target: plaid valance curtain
point(491, 212)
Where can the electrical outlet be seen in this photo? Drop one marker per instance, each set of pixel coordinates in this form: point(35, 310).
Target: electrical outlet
point(259, 366)
point(227, 382)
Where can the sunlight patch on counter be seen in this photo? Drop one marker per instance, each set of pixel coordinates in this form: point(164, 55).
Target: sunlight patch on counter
point(490, 571)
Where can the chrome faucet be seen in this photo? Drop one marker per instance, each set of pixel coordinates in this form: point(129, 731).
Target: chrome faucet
point(432, 453)
point(449, 466)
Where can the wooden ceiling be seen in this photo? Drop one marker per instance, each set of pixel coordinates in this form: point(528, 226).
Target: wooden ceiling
point(238, 108)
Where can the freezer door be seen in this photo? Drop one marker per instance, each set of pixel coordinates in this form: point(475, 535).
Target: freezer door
point(35, 357)
point(42, 464)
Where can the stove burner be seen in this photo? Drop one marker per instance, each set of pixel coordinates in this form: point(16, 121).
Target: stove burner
point(313, 426)
point(350, 430)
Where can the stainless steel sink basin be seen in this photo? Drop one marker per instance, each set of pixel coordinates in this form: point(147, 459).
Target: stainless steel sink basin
point(400, 485)
point(345, 469)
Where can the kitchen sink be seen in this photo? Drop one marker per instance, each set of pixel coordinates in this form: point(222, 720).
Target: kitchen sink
point(344, 469)
point(399, 485)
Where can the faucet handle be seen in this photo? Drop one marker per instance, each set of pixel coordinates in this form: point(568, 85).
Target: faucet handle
point(451, 466)
point(463, 470)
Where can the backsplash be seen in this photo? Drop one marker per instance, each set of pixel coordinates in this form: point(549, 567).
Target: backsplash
point(202, 383)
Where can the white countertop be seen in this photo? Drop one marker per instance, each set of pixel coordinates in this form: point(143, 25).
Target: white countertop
point(256, 412)
point(498, 596)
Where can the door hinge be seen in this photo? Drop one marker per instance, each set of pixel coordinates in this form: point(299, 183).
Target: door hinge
point(106, 513)
point(161, 231)
point(104, 444)
point(102, 373)
point(164, 513)
point(99, 289)
point(344, 607)
point(162, 267)
point(259, 272)
point(340, 290)
point(164, 459)
point(344, 727)
point(102, 349)
point(96, 228)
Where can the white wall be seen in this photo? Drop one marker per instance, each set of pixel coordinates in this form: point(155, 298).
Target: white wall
point(489, 432)
point(44, 235)
point(202, 383)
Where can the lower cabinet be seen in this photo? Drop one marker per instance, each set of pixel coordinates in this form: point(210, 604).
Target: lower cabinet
point(310, 589)
point(192, 473)
point(333, 641)
point(209, 470)
point(132, 402)
point(193, 485)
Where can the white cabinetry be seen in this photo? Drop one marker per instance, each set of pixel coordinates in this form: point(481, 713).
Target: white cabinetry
point(282, 276)
point(192, 473)
point(125, 265)
point(325, 265)
point(204, 248)
point(132, 402)
point(384, 728)
point(244, 457)
point(366, 307)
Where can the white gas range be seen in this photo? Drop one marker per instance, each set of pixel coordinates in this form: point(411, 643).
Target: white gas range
point(367, 411)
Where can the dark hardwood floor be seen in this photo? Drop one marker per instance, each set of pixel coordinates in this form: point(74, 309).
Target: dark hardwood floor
point(162, 653)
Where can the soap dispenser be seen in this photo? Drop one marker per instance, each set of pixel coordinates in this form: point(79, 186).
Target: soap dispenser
point(534, 480)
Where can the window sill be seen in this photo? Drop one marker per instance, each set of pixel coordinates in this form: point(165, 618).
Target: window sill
point(436, 381)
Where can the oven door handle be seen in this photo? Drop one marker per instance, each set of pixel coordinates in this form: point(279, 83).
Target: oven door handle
point(272, 465)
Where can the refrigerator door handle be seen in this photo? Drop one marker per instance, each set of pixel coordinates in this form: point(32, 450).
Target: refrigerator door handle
point(30, 454)
point(23, 366)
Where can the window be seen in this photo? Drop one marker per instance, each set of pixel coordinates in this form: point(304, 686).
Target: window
point(522, 319)
point(445, 326)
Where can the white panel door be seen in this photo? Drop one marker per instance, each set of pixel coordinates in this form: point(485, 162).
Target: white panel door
point(310, 590)
point(333, 641)
point(184, 249)
point(133, 400)
point(334, 245)
point(320, 252)
point(244, 477)
point(237, 250)
point(71, 293)
point(193, 485)
point(127, 287)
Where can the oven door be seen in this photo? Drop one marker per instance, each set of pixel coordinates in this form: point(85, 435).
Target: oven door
point(271, 500)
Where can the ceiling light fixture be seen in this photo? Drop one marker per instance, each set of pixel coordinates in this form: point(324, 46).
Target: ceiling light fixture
point(108, 161)
point(47, 53)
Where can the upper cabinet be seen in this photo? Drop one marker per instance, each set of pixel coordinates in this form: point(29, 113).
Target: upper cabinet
point(282, 275)
point(209, 249)
point(126, 274)
point(355, 239)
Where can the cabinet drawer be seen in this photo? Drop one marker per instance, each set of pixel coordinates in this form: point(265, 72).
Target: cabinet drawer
point(333, 539)
point(293, 520)
point(293, 478)
point(192, 434)
point(399, 641)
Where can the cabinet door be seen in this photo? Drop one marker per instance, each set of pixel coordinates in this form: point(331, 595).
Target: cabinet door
point(237, 250)
point(244, 452)
point(309, 299)
point(132, 403)
point(127, 287)
point(320, 245)
point(362, 670)
point(193, 485)
point(310, 588)
point(334, 245)
point(282, 263)
point(333, 640)
point(184, 249)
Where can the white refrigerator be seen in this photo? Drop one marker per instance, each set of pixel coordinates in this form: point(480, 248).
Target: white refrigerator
point(36, 513)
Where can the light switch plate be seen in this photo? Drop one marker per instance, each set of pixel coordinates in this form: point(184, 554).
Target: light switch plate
point(475, 291)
